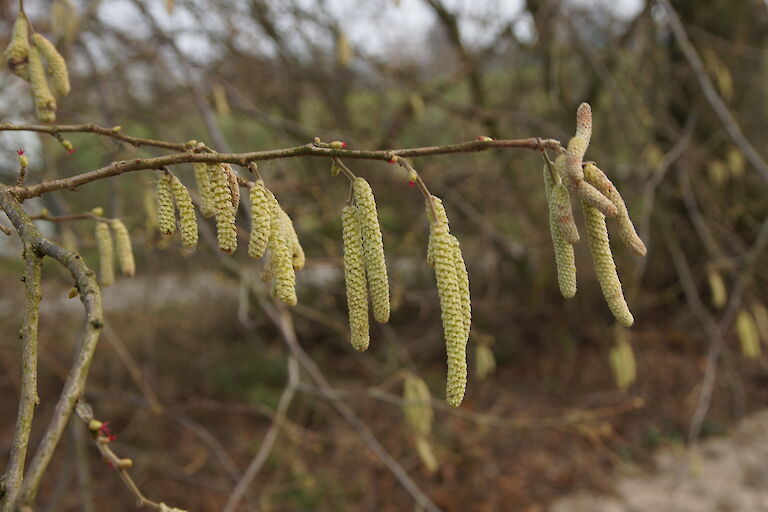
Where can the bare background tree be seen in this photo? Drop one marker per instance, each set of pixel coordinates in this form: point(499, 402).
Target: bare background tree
point(224, 400)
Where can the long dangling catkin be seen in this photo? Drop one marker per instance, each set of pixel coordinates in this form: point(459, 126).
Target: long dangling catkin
point(373, 249)
point(259, 220)
point(280, 254)
point(106, 254)
point(462, 279)
point(187, 218)
point(297, 251)
point(574, 156)
point(605, 268)
point(234, 185)
point(564, 255)
point(354, 278)
point(57, 66)
point(123, 248)
point(417, 408)
point(17, 53)
point(560, 200)
point(166, 215)
point(203, 183)
point(45, 103)
point(440, 219)
point(226, 231)
point(627, 232)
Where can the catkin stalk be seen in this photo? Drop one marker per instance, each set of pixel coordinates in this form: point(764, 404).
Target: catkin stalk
point(106, 254)
point(203, 183)
point(259, 220)
point(226, 231)
point(17, 52)
point(373, 249)
point(354, 278)
point(605, 268)
point(280, 254)
point(187, 218)
point(166, 215)
point(564, 255)
point(123, 248)
point(625, 226)
point(45, 103)
point(57, 66)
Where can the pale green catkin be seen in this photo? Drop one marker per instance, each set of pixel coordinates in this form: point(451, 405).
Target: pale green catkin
point(166, 215)
point(462, 279)
point(564, 255)
point(280, 254)
point(574, 156)
point(187, 218)
point(45, 103)
point(203, 183)
point(354, 278)
point(452, 313)
point(17, 52)
point(417, 405)
point(259, 220)
point(106, 254)
point(226, 231)
point(442, 218)
point(297, 252)
point(373, 249)
point(123, 248)
point(605, 268)
point(560, 200)
point(57, 66)
point(627, 232)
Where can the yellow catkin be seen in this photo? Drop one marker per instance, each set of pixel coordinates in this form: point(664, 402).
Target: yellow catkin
point(259, 220)
point(442, 218)
point(417, 405)
point(485, 361)
point(717, 288)
point(373, 249)
point(226, 231)
point(574, 156)
point(626, 228)
point(451, 313)
point(560, 201)
point(749, 337)
point(297, 251)
point(187, 218)
point(17, 52)
point(354, 278)
point(234, 185)
point(564, 255)
point(45, 103)
point(462, 279)
point(123, 248)
point(605, 268)
point(106, 254)
point(166, 215)
point(280, 254)
point(203, 184)
point(57, 66)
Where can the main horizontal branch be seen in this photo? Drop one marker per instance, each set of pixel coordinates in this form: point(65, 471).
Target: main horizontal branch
point(307, 150)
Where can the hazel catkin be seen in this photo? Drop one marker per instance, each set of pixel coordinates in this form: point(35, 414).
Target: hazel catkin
point(45, 103)
point(123, 248)
point(106, 254)
point(226, 231)
point(354, 278)
point(17, 52)
point(187, 218)
point(462, 279)
point(280, 255)
point(57, 66)
point(564, 255)
point(559, 200)
point(166, 215)
point(234, 185)
point(605, 268)
point(297, 252)
point(203, 183)
point(373, 249)
point(259, 220)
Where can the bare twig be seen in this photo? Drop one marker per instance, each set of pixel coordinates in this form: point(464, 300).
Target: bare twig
point(114, 132)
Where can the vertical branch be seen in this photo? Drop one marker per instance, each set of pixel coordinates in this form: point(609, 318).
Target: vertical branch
point(28, 399)
point(90, 296)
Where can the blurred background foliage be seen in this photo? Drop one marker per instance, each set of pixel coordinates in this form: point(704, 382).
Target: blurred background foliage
point(243, 75)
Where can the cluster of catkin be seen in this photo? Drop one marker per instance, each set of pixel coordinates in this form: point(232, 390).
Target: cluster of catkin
point(444, 255)
point(599, 198)
point(113, 242)
point(365, 269)
point(29, 62)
